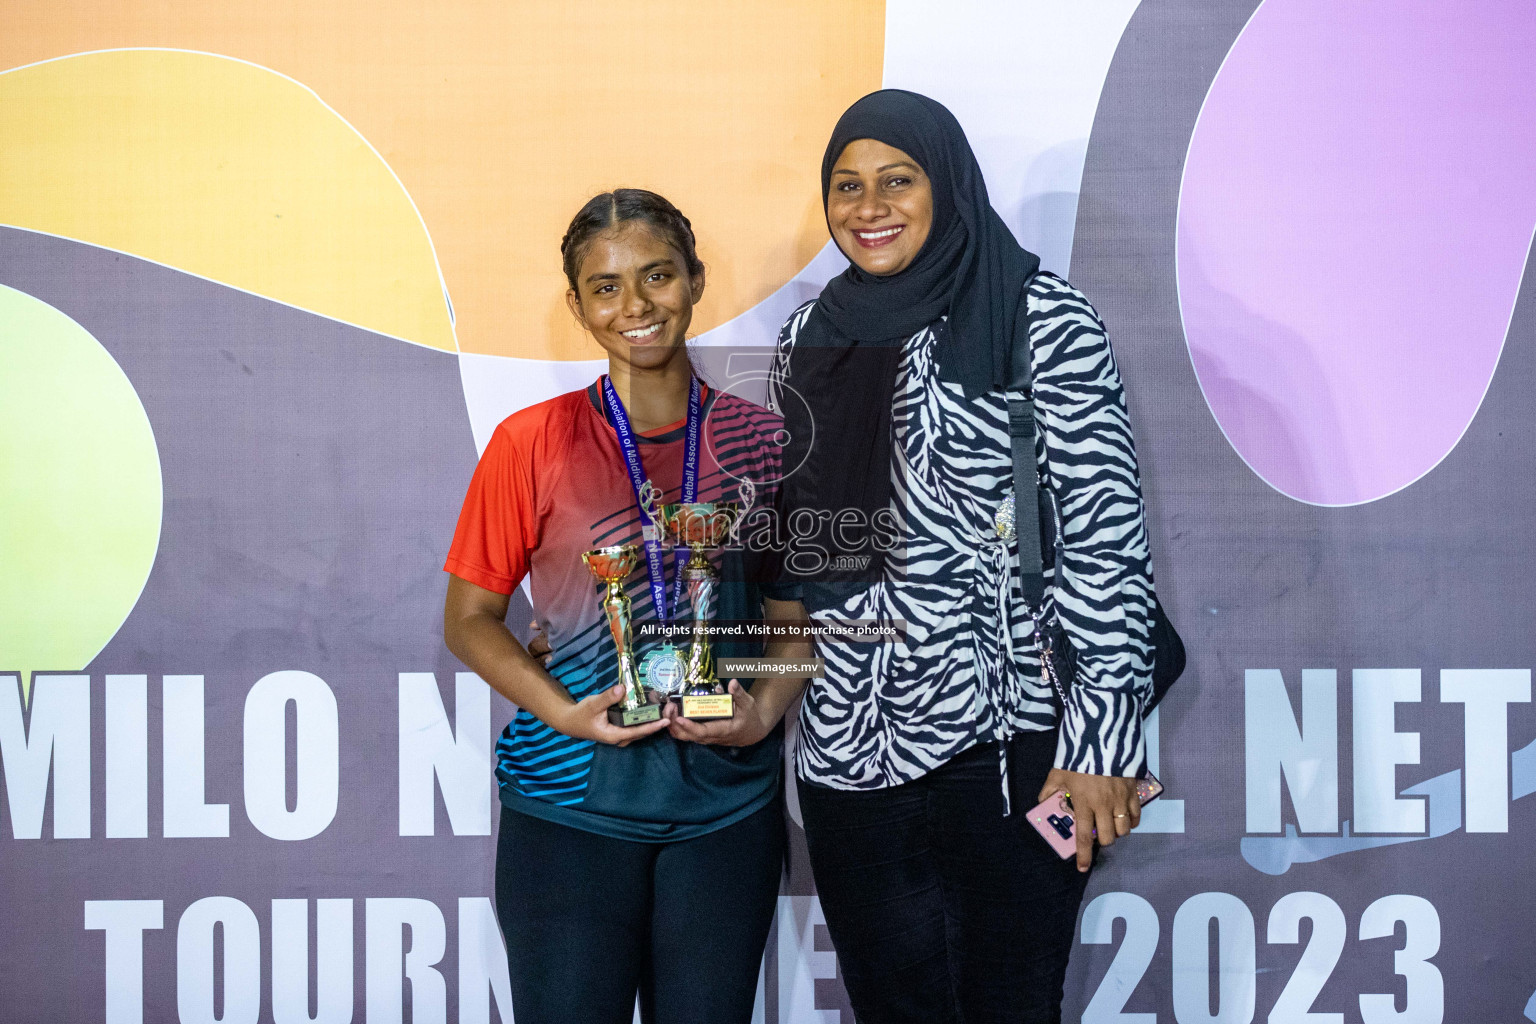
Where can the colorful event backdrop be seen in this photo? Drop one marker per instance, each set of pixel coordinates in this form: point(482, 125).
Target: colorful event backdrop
point(271, 272)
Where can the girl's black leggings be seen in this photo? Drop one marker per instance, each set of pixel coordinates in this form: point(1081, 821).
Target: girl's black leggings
point(591, 921)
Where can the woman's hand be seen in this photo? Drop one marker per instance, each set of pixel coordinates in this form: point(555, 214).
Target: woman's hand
point(587, 719)
point(538, 647)
point(745, 727)
point(1104, 806)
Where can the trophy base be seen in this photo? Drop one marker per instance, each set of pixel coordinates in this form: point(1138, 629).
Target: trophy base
point(625, 717)
point(704, 706)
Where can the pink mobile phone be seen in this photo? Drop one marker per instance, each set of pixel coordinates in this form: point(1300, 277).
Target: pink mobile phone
point(1054, 818)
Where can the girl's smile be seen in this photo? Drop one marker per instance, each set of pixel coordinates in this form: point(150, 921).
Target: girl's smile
point(640, 335)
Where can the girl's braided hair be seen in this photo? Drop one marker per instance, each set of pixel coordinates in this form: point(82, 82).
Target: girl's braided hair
point(604, 211)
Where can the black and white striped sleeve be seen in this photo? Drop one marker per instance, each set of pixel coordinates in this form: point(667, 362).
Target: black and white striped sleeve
point(1103, 592)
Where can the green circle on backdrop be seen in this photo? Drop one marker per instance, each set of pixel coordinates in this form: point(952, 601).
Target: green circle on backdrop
point(80, 494)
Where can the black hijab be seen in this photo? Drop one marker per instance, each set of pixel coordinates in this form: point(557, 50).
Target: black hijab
point(843, 365)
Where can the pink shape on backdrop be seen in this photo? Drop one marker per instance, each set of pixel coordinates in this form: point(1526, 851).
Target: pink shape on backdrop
point(1356, 212)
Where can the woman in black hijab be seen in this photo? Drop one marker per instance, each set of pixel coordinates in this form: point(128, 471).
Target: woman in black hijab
point(943, 903)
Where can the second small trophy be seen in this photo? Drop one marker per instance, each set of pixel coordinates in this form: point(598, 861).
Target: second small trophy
point(702, 526)
point(612, 565)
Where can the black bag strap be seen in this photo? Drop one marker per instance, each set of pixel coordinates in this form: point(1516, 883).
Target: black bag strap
point(1168, 648)
point(1026, 476)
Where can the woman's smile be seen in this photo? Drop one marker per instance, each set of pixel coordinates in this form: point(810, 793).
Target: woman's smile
point(876, 238)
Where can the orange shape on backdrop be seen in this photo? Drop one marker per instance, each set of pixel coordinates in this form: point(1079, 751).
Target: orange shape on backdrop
point(500, 119)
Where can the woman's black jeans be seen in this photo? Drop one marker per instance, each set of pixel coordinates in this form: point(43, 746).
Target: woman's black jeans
point(942, 910)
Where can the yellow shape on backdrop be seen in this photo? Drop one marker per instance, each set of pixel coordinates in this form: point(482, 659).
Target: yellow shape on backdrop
point(80, 491)
point(224, 169)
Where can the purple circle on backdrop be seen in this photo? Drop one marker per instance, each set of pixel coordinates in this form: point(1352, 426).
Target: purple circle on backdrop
point(1356, 212)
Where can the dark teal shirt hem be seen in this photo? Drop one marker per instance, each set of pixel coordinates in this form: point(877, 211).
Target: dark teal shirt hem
point(628, 828)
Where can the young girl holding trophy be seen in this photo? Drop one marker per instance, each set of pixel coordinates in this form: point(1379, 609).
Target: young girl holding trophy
point(628, 862)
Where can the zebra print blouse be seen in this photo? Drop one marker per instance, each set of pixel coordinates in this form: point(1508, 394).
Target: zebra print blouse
point(967, 670)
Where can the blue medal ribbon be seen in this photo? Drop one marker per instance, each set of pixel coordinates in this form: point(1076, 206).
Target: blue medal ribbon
point(655, 554)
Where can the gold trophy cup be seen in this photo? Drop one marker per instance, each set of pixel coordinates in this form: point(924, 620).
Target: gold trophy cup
point(612, 565)
point(702, 526)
